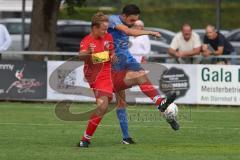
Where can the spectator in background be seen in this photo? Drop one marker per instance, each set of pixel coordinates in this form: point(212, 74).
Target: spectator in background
point(139, 44)
point(185, 45)
point(5, 39)
point(214, 43)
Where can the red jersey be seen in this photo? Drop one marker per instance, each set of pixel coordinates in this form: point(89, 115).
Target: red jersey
point(97, 66)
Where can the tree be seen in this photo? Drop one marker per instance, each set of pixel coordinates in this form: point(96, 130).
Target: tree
point(44, 23)
point(44, 19)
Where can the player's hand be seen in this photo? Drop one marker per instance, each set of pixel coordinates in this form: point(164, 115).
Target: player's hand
point(91, 47)
point(155, 34)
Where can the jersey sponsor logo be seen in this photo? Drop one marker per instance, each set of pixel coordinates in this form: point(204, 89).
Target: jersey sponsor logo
point(100, 57)
point(106, 45)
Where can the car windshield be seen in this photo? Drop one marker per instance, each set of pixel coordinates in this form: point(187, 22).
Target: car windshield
point(234, 37)
point(16, 28)
point(73, 30)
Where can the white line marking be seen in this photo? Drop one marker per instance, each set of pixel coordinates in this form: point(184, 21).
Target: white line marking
point(109, 125)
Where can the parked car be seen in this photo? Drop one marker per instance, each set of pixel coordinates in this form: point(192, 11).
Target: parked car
point(160, 45)
point(234, 38)
point(14, 27)
point(166, 35)
point(70, 32)
point(65, 29)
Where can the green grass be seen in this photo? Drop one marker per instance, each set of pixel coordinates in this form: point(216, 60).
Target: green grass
point(32, 131)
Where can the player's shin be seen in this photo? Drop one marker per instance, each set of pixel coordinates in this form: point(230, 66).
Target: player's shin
point(149, 90)
point(123, 121)
point(95, 119)
point(91, 127)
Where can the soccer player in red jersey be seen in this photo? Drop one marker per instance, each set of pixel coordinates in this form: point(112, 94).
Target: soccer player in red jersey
point(96, 49)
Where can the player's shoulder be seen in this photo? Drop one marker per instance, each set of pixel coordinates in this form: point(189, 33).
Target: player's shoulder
point(113, 17)
point(108, 36)
point(114, 20)
point(86, 38)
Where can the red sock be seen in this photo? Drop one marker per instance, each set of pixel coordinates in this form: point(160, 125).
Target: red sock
point(91, 127)
point(149, 90)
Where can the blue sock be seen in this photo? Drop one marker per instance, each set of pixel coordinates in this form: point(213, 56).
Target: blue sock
point(123, 121)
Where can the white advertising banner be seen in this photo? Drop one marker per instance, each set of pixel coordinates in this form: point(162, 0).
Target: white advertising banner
point(218, 84)
point(64, 80)
point(194, 84)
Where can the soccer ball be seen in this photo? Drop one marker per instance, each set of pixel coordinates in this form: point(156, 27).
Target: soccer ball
point(171, 112)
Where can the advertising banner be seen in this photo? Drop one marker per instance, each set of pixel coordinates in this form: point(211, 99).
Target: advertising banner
point(218, 84)
point(64, 81)
point(23, 80)
point(194, 84)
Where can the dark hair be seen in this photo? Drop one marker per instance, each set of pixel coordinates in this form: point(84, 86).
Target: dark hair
point(131, 9)
point(99, 18)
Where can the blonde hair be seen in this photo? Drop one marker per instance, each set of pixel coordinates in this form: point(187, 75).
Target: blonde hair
point(98, 19)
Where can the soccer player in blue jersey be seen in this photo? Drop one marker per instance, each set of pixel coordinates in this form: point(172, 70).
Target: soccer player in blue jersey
point(120, 28)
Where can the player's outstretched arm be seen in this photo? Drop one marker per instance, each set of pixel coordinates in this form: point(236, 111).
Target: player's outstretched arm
point(136, 32)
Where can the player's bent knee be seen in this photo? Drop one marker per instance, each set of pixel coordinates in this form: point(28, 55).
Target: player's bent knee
point(101, 111)
point(102, 105)
point(121, 104)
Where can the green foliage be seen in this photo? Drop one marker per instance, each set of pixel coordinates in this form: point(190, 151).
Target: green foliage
point(82, 13)
point(170, 16)
point(70, 4)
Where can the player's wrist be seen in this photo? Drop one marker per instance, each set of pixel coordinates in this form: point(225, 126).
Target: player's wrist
point(150, 33)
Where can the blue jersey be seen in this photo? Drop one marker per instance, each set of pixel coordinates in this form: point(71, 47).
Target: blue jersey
point(121, 40)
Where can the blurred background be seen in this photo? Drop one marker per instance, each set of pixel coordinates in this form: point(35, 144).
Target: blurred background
point(166, 17)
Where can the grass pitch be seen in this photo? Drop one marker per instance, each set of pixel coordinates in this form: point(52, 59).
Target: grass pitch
point(32, 131)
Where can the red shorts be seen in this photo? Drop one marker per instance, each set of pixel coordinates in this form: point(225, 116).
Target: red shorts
point(102, 85)
point(118, 81)
point(102, 88)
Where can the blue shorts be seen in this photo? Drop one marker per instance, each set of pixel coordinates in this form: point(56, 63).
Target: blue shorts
point(126, 62)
